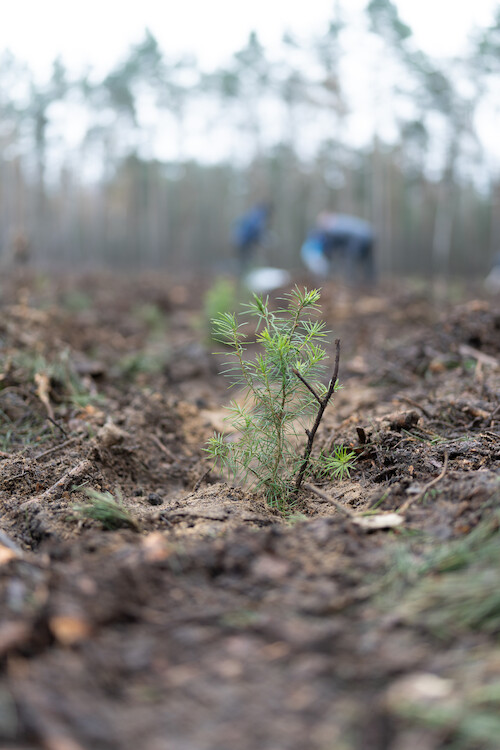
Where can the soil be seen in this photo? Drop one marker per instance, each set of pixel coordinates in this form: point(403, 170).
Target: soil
point(207, 620)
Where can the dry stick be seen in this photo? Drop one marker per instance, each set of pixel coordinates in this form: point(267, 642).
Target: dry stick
point(56, 448)
point(494, 414)
point(414, 403)
point(426, 487)
point(201, 480)
point(9, 480)
point(162, 447)
point(329, 499)
point(307, 385)
point(322, 406)
point(56, 424)
point(78, 471)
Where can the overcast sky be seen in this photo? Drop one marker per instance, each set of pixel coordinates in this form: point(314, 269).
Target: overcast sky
point(98, 32)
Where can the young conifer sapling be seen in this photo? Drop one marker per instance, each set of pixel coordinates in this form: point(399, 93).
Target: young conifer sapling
point(283, 392)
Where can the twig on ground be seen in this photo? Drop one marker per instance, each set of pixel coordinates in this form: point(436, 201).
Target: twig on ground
point(201, 480)
point(494, 414)
point(469, 351)
point(78, 471)
point(412, 402)
point(56, 448)
point(376, 522)
point(9, 480)
point(162, 447)
point(56, 424)
point(197, 485)
point(329, 499)
point(426, 487)
point(322, 406)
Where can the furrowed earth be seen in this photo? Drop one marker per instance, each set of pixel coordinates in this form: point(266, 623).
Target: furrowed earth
point(201, 618)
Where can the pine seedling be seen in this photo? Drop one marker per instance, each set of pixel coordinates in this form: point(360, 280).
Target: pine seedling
point(336, 465)
point(282, 390)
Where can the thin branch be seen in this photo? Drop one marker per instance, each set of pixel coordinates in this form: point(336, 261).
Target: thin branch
point(414, 403)
point(307, 385)
point(322, 406)
point(56, 424)
point(329, 499)
point(426, 487)
point(56, 448)
point(77, 472)
point(201, 480)
point(168, 453)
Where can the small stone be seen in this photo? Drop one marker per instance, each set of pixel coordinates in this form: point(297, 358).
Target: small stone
point(154, 499)
point(110, 435)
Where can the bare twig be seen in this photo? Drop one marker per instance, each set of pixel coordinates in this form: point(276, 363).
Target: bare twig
point(426, 487)
point(329, 499)
point(469, 351)
point(162, 447)
point(494, 414)
point(307, 385)
point(201, 480)
point(322, 406)
point(56, 424)
point(414, 403)
point(77, 472)
point(56, 448)
point(9, 480)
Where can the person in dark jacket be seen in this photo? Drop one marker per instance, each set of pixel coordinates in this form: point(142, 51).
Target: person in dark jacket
point(249, 231)
point(340, 240)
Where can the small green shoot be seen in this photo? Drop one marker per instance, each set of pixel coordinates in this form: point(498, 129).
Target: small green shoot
point(103, 507)
point(337, 465)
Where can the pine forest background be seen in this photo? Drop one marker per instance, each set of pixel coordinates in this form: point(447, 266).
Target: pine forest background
point(149, 165)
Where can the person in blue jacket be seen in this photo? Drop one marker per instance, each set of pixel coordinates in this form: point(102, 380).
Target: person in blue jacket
point(249, 231)
point(340, 240)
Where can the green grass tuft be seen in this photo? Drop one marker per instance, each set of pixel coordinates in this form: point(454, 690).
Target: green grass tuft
point(103, 507)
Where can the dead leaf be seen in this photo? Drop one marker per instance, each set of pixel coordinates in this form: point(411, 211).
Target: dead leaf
point(69, 629)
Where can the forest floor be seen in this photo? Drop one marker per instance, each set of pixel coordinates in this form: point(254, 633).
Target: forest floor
point(207, 620)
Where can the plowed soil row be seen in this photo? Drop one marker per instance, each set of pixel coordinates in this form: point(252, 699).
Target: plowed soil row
point(207, 620)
